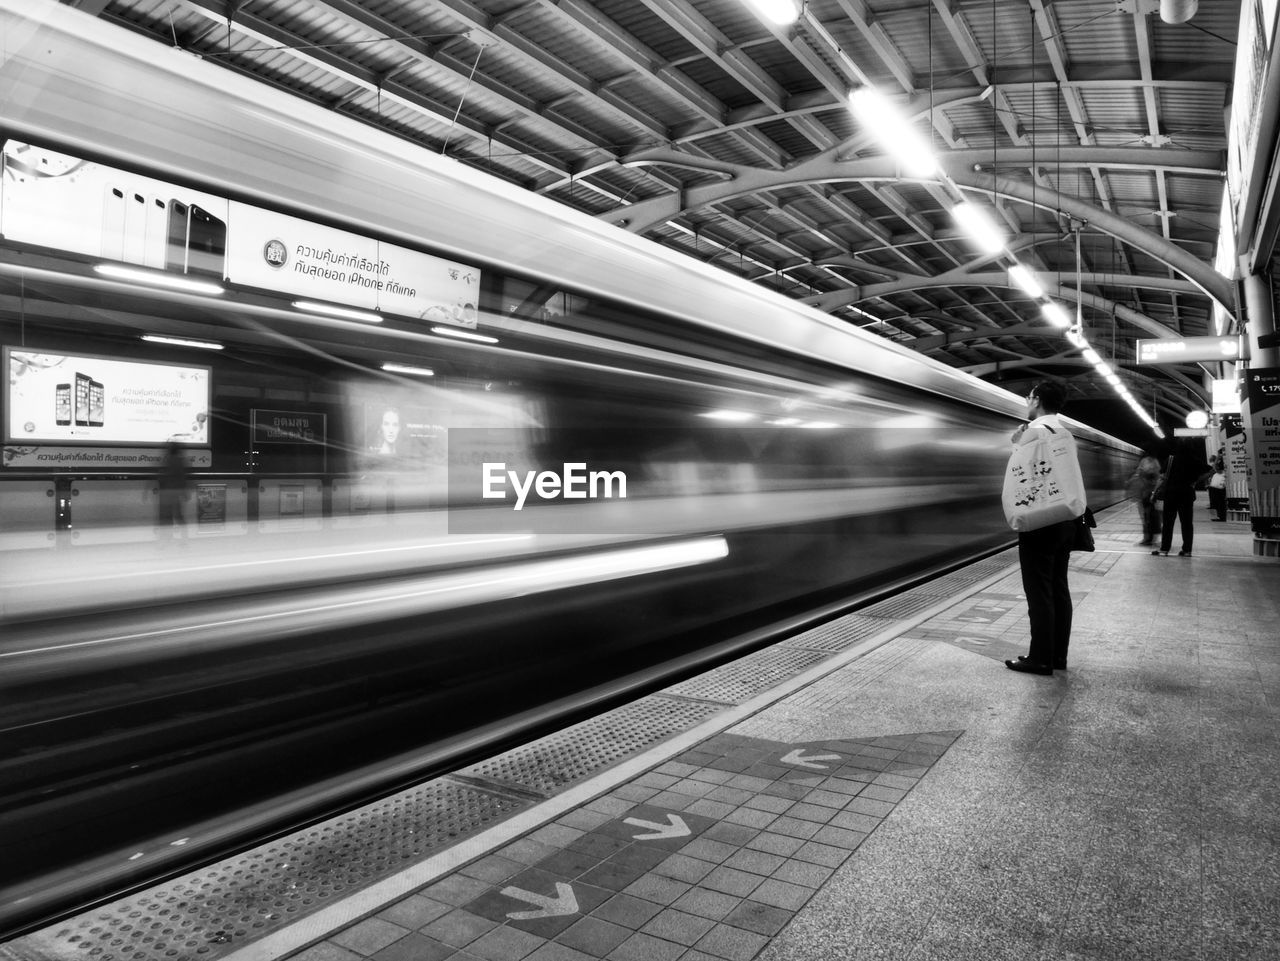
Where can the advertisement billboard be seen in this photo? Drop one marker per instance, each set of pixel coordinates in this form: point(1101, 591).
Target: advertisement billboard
point(86, 399)
point(273, 251)
point(52, 199)
point(1263, 385)
point(56, 200)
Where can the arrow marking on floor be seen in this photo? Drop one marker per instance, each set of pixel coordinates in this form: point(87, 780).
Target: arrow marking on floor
point(675, 828)
point(565, 902)
point(798, 758)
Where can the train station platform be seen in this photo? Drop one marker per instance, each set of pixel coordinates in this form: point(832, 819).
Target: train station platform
point(877, 787)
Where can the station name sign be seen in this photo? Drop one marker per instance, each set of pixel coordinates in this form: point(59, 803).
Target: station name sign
point(1185, 350)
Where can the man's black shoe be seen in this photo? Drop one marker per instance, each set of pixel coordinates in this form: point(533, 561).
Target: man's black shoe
point(1024, 666)
point(1057, 665)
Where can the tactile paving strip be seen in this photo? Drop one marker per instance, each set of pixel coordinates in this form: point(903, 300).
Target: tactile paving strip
point(904, 605)
point(744, 678)
point(557, 760)
point(838, 634)
point(210, 912)
point(953, 583)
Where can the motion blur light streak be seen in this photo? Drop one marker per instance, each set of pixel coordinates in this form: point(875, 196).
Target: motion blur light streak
point(464, 335)
point(306, 610)
point(181, 342)
point(407, 369)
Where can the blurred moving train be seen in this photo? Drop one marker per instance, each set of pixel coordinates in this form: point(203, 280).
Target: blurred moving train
point(363, 349)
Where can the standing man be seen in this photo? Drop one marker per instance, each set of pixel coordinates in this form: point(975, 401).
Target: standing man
point(1043, 553)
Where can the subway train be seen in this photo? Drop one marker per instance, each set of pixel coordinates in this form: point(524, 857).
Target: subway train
point(441, 452)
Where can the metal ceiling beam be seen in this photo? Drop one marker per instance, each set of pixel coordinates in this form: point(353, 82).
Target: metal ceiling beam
point(717, 48)
point(1050, 280)
point(276, 38)
point(477, 19)
point(830, 166)
point(825, 168)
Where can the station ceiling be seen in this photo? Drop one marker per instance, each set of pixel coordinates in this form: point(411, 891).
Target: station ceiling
point(1096, 130)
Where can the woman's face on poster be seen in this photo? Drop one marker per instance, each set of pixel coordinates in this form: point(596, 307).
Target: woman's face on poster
point(390, 426)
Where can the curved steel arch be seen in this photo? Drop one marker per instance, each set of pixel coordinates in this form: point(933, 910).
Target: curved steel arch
point(959, 165)
point(841, 298)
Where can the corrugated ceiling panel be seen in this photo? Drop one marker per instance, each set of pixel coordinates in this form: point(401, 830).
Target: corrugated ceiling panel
point(1002, 29)
point(1096, 32)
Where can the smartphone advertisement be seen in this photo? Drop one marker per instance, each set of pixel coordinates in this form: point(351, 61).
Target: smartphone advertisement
point(276, 252)
point(55, 200)
point(56, 398)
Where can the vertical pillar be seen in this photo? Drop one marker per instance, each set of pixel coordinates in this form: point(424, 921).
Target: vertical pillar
point(1261, 411)
point(1261, 320)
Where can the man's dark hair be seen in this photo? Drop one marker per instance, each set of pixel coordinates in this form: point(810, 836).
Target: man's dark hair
point(1051, 395)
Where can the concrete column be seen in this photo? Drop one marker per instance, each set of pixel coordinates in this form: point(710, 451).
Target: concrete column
point(1260, 321)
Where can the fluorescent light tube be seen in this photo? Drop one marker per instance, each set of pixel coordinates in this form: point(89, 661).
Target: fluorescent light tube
point(977, 223)
point(1054, 313)
point(883, 121)
point(1025, 279)
point(157, 278)
point(783, 13)
point(346, 313)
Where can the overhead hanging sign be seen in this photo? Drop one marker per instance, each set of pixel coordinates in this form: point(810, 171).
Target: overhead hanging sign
point(277, 252)
point(1226, 396)
point(1186, 350)
point(63, 202)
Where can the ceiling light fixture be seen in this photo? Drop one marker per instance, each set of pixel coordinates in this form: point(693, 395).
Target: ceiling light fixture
point(1054, 313)
point(157, 278)
point(1026, 280)
point(181, 342)
point(783, 13)
point(346, 313)
point(882, 120)
point(979, 226)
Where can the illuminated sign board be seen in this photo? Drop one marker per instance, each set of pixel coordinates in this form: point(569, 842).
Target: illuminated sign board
point(85, 399)
point(1185, 350)
point(1226, 396)
point(57, 200)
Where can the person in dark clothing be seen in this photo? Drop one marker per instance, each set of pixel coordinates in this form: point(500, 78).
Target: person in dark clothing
point(1218, 487)
point(1142, 485)
point(1044, 553)
point(1185, 466)
point(172, 480)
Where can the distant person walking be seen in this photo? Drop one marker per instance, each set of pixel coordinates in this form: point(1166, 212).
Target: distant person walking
point(1141, 487)
point(173, 480)
point(1185, 466)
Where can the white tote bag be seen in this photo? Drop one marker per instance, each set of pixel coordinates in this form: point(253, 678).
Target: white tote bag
point(1043, 484)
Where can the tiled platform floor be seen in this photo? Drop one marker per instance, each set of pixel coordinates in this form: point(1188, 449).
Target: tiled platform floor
point(942, 807)
point(923, 802)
